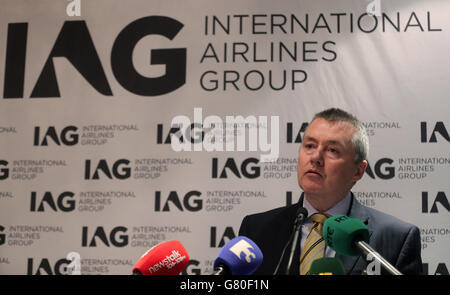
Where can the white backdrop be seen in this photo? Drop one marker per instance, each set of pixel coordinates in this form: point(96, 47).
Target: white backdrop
point(85, 161)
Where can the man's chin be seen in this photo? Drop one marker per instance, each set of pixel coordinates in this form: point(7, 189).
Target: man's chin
point(312, 189)
point(311, 185)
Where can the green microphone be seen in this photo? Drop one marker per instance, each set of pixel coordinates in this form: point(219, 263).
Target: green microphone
point(350, 236)
point(341, 232)
point(326, 266)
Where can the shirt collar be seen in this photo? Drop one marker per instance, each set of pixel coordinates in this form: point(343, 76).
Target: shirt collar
point(341, 208)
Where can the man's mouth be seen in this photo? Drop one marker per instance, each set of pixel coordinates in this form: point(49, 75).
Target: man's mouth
point(313, 172)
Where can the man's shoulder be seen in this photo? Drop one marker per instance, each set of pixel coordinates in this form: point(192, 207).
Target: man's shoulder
point(387, 222)
point(396, 240)
point(284, 212)
point(272, 212)
point(270, 219)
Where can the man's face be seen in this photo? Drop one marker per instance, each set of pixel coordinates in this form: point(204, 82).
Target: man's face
point(326, 159)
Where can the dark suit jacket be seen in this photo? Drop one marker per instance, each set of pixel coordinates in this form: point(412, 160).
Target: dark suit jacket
point(397, 241)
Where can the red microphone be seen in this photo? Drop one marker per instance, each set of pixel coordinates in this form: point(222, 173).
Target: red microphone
point(166, 258)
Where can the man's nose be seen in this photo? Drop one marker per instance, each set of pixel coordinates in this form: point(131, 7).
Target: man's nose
point(317, 158)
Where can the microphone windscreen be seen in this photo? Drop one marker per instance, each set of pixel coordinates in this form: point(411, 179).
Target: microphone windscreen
point(341, 232)
point(166, 258)
point(240, 255)
point(302, 211)
point(327, 266)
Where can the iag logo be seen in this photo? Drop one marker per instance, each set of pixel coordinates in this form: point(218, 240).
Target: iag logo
point(75, 43)
point(191, 135)
point(68, 136)
point(64, 202)
point(2, 235)
point(44, 266)
point(440, 198)
point(441, 269)
point(120, 169)
point(191, 201)
point(215, 242)
point(192, 268)
point(116, 237)
point(382, 168)
point(4, 171)
point(439, 127)
point(295, 137)
point(248, 168)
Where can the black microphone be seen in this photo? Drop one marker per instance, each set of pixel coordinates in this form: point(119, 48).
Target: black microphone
point(301, 215)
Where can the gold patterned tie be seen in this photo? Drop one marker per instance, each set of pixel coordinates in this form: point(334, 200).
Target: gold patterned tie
point(314, 246)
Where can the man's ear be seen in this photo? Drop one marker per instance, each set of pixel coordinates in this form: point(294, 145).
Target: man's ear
point(360, 169)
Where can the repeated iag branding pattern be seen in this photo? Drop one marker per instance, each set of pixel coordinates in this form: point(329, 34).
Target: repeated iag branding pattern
point(124, 128)
point(91, 135)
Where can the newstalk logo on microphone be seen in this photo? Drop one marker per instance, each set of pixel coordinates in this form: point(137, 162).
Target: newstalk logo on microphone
point(168, 262)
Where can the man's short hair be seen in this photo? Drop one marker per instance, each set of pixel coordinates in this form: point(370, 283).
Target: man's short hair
point(360, 139)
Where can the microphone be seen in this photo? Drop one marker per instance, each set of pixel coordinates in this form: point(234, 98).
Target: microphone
point(240, 256)
point(166, 258)
point(326, 266)
point(350, 236)
point(301, 214)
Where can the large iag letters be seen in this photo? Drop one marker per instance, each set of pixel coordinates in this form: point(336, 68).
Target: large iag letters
point(74, 42)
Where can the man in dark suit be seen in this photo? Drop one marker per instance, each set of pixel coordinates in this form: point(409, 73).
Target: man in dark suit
point(332, 158)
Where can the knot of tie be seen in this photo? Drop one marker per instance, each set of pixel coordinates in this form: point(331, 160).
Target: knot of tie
point(319, 219)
